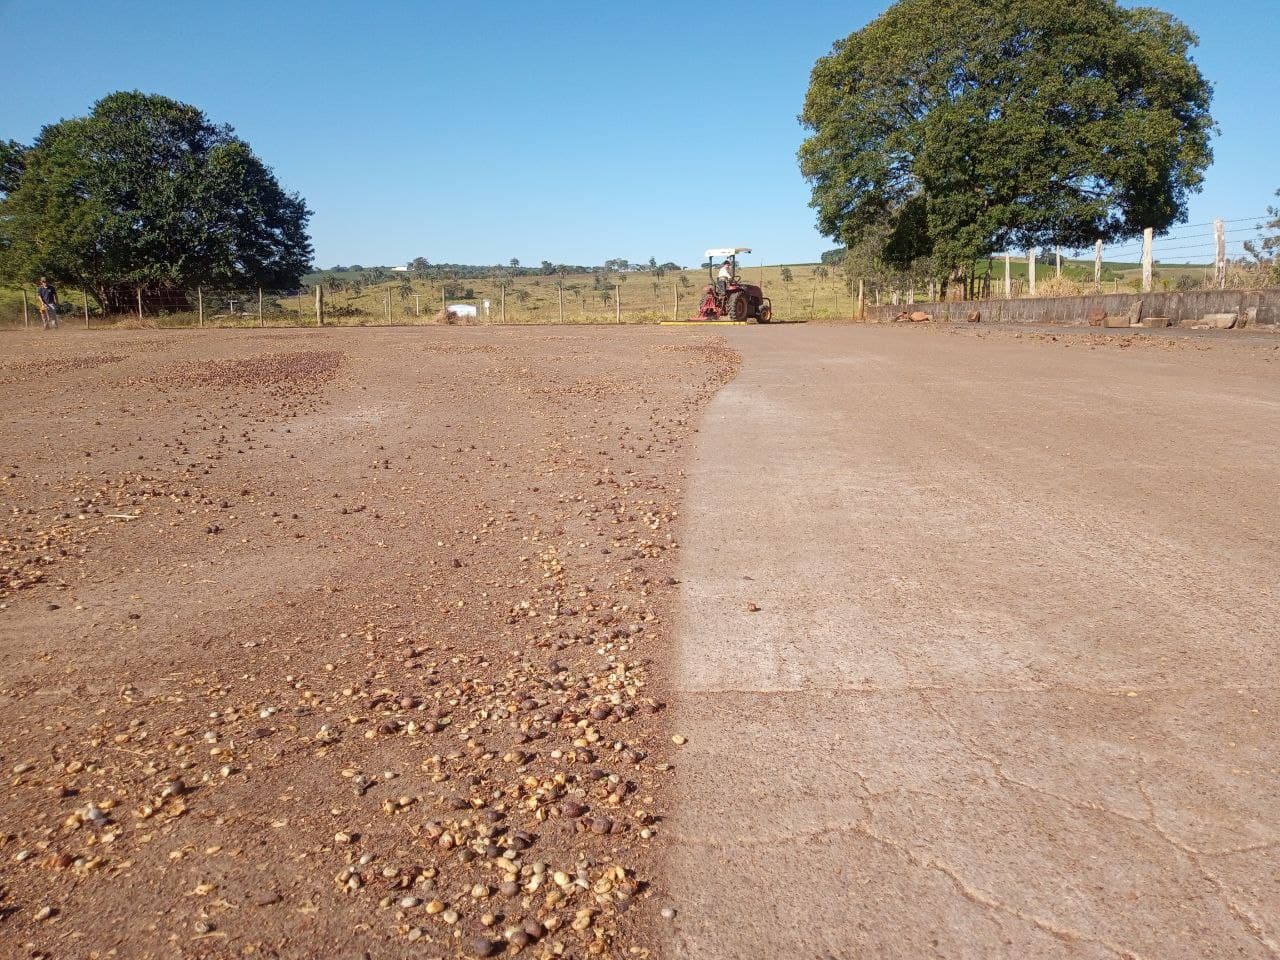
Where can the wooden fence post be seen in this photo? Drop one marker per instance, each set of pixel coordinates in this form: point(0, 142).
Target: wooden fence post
point(1148, 237)
point(1097, 265)
point(1031, 271)
point(261, 322)
point(560, 297)
point(617, 302)
point(84, 295)
point(417, 305)
point(1008, 278)
point(139, 304)
point(200, 304)
point(319, 305)
point(25, 310)
point(1058, 263)
point(503, 303)
point(860, 311)
point(675, 300)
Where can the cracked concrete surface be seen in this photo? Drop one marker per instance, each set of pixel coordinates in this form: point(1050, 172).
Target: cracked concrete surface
point(1011, 689)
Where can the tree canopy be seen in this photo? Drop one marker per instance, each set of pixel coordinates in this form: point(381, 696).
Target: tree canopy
point(949, 130)
point(145, 192)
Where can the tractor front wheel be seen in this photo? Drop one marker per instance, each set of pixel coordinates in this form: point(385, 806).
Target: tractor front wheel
point(736, 307)
point(765, 314)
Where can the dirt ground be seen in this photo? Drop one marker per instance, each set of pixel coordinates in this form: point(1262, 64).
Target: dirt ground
point(809, 642)
point(339, 643)
point(977, 650)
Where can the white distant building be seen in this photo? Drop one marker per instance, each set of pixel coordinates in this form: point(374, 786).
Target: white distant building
point(404, 269)
point(462, 309)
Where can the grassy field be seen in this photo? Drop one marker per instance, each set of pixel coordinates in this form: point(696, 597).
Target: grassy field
point(588, 298)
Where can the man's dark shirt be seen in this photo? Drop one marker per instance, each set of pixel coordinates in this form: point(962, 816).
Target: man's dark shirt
point(48, 295)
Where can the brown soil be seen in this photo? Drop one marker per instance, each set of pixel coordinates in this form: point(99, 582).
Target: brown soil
point(338, 643)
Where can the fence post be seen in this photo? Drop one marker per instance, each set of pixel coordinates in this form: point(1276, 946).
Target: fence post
point(1031, 271)
point(261, 322)
point(319, 305)
point(617, 302)
point(139, 304)
point(1097, 265)
point(417, 305)
point(560, 297)
point(200, 305)
point(860, 311)
point(1148, 236)
point(25, 312)
point(1220, 254)
point(1058, 263)
point(84, 295)
point(386, 305)
point(1008, 278)
point(502, 306)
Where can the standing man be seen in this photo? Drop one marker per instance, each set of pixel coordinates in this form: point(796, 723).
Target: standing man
point(48, 304)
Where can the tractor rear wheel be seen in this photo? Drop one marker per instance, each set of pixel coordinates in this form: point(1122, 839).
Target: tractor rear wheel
point(736, 307)
point(765, 314)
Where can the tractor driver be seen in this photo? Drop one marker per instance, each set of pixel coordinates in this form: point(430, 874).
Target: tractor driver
point(724, 277)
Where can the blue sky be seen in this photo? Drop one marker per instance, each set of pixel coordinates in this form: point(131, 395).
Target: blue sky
point(571, 132)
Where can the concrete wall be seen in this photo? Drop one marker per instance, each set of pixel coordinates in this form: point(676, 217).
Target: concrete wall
point(1182, 309)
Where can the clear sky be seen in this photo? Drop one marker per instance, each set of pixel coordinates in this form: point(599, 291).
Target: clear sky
point(566, 131)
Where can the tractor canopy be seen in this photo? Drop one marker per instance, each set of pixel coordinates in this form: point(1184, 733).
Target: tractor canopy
point(726, 251)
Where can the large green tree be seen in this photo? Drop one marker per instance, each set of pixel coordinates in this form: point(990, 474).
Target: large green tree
point(146, 193)
point(953, 129)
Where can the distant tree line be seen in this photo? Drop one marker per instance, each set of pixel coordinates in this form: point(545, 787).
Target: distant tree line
point(422, 269)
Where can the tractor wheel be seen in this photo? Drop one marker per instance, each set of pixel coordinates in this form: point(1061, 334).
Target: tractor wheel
point(736, 307)
point(765, 314)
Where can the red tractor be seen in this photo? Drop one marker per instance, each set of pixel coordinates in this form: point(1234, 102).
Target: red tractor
point(727, 296)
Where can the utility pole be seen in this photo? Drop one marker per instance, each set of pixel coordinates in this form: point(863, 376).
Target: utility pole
point(1148, 236)
point(1220, 254)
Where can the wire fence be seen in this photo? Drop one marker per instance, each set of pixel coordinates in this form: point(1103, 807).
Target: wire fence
point(1202, 256)
point(632, 298)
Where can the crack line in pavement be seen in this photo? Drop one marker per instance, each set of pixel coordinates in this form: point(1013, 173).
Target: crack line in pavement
point(985, 899)
point(946, 688)
point(1255, 927)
